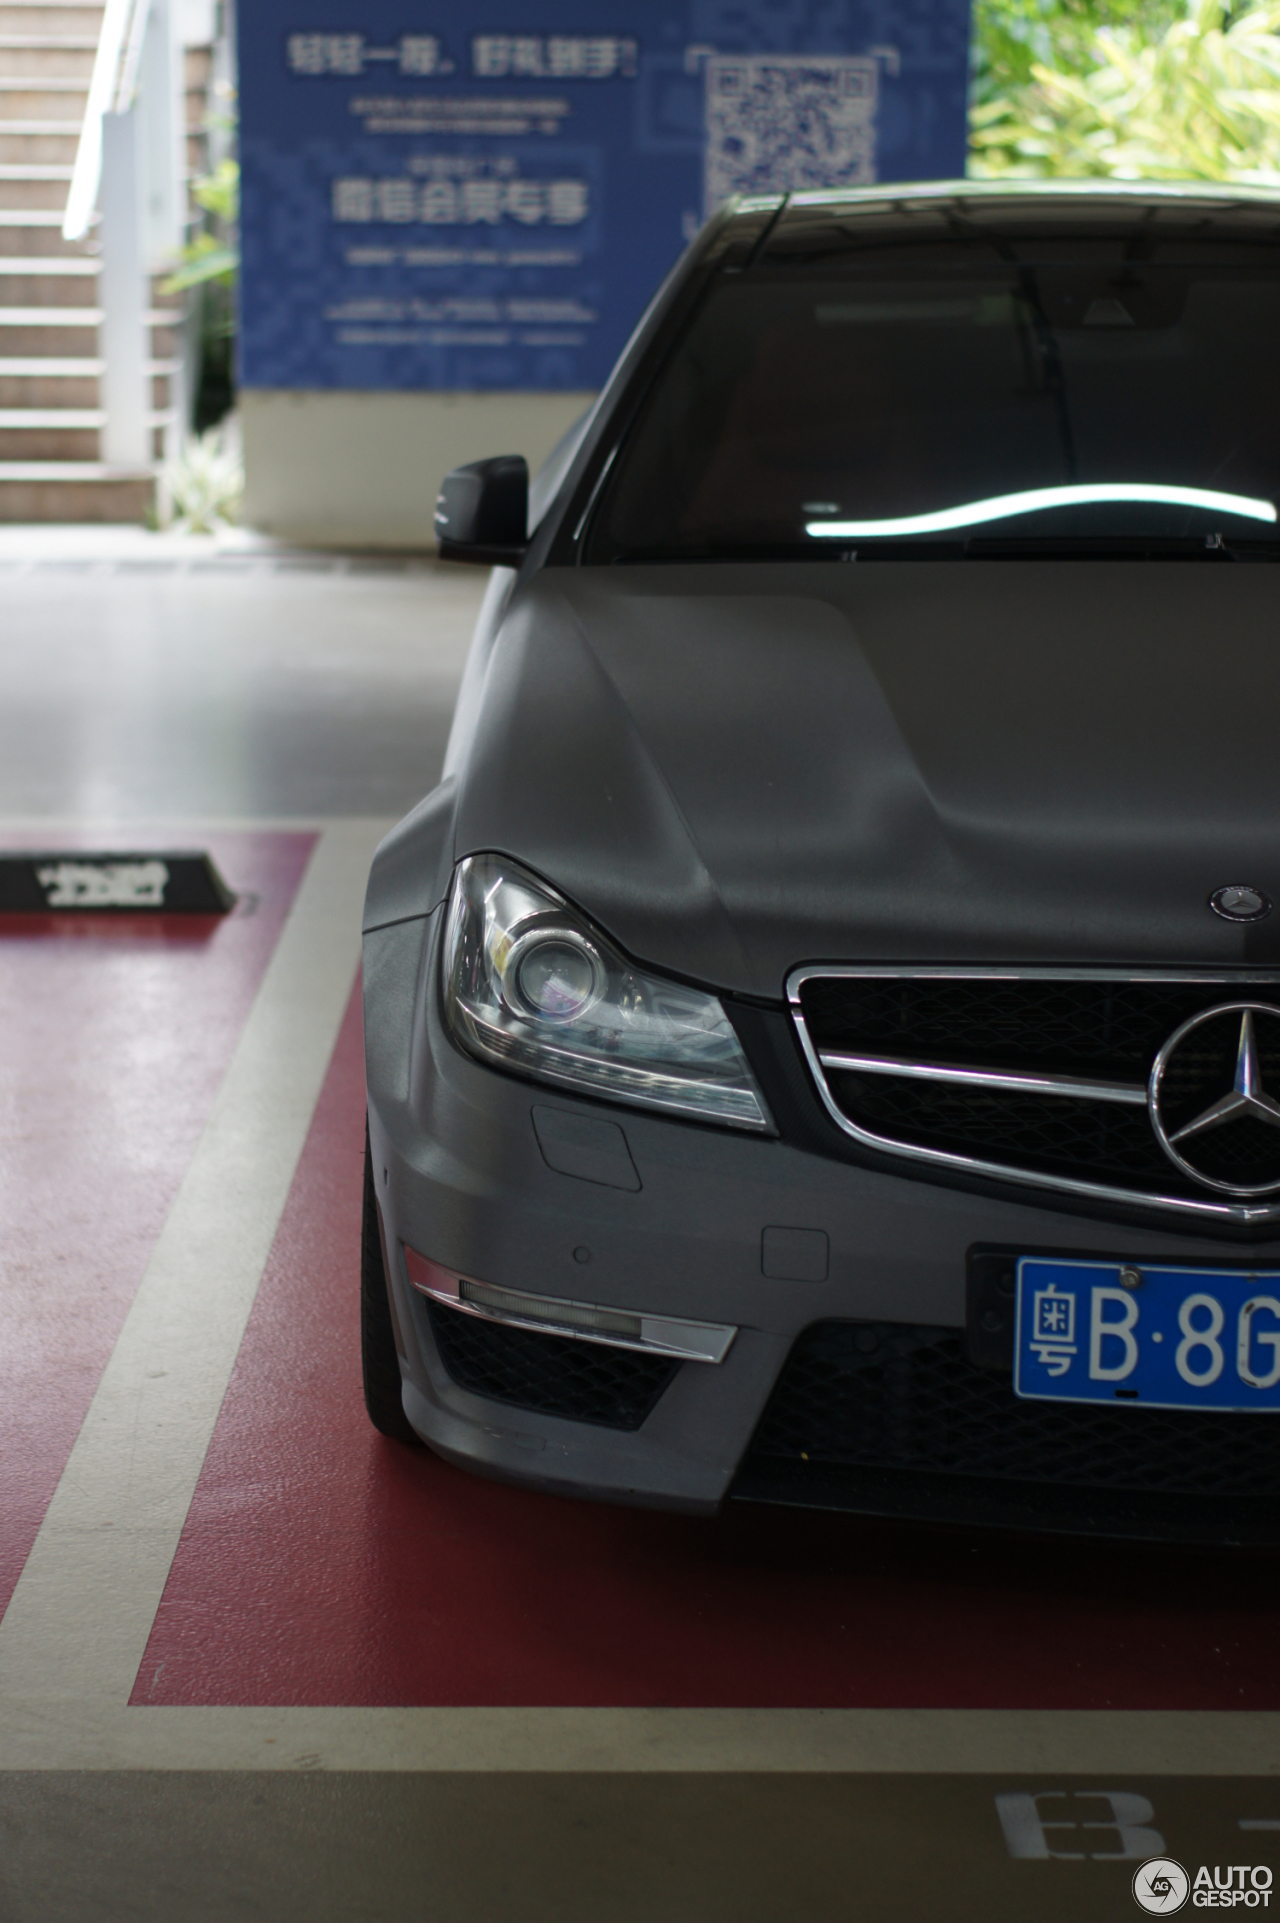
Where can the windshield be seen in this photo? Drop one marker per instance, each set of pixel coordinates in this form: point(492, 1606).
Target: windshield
point(808, 410)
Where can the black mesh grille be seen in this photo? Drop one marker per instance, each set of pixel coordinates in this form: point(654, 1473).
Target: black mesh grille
point(553, 1375)
point(899, 1397)
point(1107, 1029)
point(1099, 1141)
point(1110, 1028)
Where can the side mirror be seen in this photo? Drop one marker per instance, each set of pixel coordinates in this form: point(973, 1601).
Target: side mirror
point(483, 512)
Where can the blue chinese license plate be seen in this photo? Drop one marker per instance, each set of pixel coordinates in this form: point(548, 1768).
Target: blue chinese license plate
point(1155, 1337)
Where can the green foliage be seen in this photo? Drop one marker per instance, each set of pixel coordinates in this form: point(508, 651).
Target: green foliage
point(1128, 89)
point(206, 259)
point(219, 192)
point(209, 266)
point(213, 257)
point(201, 488)
point(1011, 37)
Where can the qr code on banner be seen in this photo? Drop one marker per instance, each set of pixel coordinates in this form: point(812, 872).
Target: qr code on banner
point(778, 123)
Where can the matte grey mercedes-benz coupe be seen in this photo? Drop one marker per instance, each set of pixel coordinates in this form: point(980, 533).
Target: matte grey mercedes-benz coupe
point(823, 1031)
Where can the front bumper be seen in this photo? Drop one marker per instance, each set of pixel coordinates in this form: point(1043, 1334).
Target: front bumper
point(462, 1179)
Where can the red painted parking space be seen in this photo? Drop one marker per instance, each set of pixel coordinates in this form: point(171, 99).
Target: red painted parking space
point(323, 1565)
point(117, 1032)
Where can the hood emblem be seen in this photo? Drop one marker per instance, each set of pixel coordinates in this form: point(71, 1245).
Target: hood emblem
point(1239, 902)
point(1225, 1137)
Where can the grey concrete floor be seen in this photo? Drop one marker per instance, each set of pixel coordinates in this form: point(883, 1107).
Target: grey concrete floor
point(239, 686)
point(546, 1847)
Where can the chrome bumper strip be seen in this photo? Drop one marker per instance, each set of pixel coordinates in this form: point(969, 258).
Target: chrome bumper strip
point(581, 1321)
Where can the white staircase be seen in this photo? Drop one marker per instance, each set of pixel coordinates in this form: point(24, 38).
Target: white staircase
point(60, 459)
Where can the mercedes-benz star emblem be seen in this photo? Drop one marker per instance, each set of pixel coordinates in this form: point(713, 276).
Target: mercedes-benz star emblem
point(1239, 902)
point(1231, 1140)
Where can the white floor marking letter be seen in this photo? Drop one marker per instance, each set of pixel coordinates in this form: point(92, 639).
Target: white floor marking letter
point(1026, 1825)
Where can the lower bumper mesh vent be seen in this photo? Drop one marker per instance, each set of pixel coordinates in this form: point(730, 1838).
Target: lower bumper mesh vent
point(553, 1375)
point(894, 1418)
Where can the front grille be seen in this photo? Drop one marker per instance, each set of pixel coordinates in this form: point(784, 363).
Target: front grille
point(1045, 1133)
point(869, 1398)
point(1101, 1028)
point(552, 1375)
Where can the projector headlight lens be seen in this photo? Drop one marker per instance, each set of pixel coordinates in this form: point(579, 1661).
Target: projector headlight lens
point(529, 985)
point(558, 975)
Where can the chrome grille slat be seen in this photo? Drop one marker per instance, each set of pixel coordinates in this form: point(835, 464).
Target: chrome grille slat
point(998, 1078)
point(1114, 1018)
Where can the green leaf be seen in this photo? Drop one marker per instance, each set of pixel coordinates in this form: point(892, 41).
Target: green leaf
point(202, 264)
point(219, 192)
point(1131, 89)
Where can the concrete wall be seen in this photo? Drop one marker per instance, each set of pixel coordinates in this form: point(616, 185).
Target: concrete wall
point(363, 470)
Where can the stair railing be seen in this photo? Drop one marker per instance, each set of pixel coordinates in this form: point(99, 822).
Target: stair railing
point(130, 165)
point(123, 25)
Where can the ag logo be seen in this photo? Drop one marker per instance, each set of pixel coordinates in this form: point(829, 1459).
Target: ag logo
point(1160, 1886)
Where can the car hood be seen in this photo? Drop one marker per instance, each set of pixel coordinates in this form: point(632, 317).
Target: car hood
point(738, 769)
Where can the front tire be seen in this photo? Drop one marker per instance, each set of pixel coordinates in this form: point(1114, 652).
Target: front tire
point(379, 1359)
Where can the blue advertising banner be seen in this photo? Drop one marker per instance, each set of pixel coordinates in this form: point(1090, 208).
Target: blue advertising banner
point(485, 195)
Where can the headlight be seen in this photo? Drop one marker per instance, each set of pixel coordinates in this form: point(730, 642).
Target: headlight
point(530, 985)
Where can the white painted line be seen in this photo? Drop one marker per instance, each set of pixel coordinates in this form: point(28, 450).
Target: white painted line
point(75, 1630)
point(1201, 1743)
point(48, 264)
point(23, 367)
point(49, 316)
point(52, 417)
point(71, 471)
